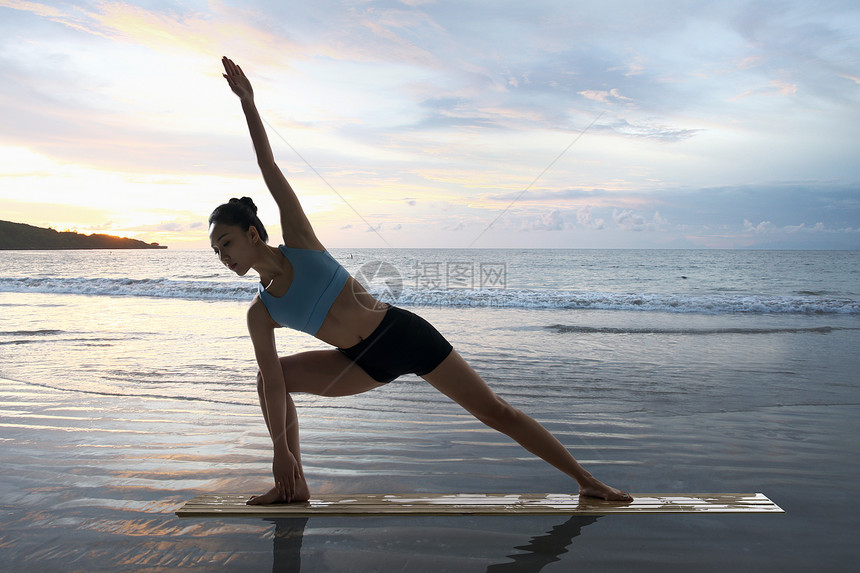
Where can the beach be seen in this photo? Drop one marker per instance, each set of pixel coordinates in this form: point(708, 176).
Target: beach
point(127, 384)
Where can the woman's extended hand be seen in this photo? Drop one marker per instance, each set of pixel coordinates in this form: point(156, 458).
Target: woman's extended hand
point(235, 77)
point(286, 471)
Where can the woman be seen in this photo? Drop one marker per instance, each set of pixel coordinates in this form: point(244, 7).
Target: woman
point(303, 287)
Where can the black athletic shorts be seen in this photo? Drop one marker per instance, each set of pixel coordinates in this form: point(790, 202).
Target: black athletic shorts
point(403, 343)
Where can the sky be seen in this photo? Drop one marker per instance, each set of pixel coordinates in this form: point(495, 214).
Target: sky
point(419, 123)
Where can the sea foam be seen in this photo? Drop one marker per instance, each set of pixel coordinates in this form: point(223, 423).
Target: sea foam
point(713, 303)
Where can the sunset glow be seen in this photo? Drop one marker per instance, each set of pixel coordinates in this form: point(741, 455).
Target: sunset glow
point(729, 125)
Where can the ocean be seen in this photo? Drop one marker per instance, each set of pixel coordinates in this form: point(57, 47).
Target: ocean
point(127, 385)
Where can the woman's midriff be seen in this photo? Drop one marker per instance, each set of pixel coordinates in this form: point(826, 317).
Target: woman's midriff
point(353, 316)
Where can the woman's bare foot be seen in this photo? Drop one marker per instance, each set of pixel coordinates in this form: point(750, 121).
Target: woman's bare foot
point(600, 490)
point(302, 493)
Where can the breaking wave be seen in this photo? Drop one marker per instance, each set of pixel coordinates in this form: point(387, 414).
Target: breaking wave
point(714, 303)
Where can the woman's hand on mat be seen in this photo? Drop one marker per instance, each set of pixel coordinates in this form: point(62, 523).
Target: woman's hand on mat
point(235, 77)
point(285, 469)
point(283, 491)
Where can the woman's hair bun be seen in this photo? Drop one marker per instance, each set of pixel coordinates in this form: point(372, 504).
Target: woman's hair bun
point(240, 212)
point(247, 202)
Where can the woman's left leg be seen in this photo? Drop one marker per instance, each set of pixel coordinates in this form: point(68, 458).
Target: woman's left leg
point(457, 380)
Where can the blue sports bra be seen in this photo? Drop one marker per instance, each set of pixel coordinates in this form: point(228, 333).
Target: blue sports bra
point(317, 280)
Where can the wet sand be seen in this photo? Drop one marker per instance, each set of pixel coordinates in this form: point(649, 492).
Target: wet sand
point(90, 483)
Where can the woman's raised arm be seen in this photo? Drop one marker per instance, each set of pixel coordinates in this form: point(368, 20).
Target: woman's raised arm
point(297, 229)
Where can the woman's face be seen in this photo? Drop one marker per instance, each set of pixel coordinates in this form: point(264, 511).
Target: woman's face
point(233, 246)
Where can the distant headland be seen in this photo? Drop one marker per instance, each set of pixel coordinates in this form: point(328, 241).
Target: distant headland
point(18, 237)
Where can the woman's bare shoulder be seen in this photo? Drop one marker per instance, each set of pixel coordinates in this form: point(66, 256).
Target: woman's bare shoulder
point(259, 317)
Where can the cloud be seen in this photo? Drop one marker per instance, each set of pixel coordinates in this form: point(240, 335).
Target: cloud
point(774, 88)
point(766, 227)
point(806, 206)
point(647, 130)
point(633, 68)
point(632, 221)
point(550, 195)
point(178, 226)
point(585, 219)
point(552, 221)
point(629, 220)
point(611, 96)
point(62, 115)
point(762, 227)
point(166, 31)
